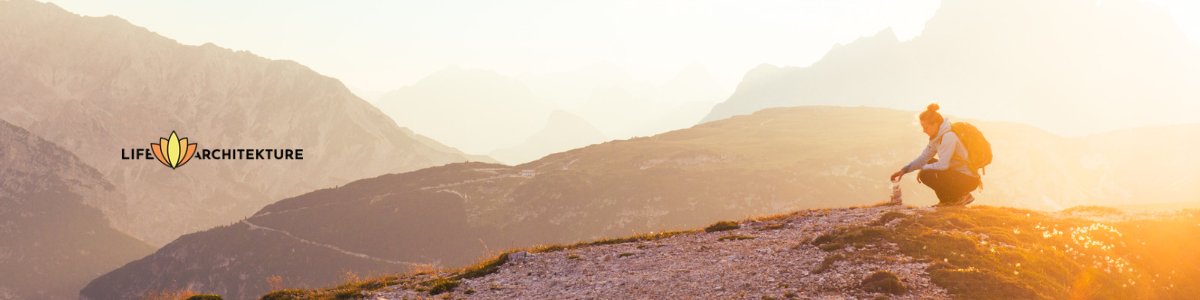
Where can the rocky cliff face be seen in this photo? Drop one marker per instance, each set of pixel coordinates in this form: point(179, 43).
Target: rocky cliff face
point(773, 161)
point(53, 240)
point(98, 85)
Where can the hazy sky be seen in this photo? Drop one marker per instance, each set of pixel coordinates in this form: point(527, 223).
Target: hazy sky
point(375, 46)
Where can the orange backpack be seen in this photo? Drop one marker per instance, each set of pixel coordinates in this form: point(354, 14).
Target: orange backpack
point(979, 151)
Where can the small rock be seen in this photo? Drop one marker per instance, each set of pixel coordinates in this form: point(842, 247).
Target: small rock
point(518, 256)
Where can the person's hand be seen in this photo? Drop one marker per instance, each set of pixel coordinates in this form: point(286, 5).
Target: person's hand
point(896, 176)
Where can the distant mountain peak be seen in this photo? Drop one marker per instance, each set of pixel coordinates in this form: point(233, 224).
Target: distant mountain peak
point(1023, 61)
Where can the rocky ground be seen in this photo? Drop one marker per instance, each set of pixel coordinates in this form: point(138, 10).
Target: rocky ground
point(762, 259)
point(896, 252)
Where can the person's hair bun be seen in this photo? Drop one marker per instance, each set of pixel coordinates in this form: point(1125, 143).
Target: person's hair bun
point(932, 107)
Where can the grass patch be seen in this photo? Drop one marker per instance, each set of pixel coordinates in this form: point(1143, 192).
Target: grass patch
point(774, 226)
point(480, 269)
point(884, 282)
point(977, 267)
point(442, 285)
point(888, 217)
point(352, 289)
point(828, 262)
point(550, 248)
point(294, 294)
point(653, 236)
point(722, 226)
point(857, 236)
point(986, 252)
point(484, 268)
point(735, 237)
point(355, 289)
point(777, 217)
point(205, 297)
point(831, 246)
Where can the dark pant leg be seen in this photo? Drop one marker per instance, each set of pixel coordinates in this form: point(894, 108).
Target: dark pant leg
point(948, 185)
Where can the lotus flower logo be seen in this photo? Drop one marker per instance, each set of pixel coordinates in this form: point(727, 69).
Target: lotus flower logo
point(173, 151)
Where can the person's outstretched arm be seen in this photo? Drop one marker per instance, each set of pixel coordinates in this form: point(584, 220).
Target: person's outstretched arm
point(917, 163)
point(922, 159)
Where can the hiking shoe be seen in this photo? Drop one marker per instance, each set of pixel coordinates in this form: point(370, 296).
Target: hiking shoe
point(967, 199)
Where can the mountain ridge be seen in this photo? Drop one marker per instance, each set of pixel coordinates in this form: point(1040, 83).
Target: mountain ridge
point(776, 160)
point(53, 237)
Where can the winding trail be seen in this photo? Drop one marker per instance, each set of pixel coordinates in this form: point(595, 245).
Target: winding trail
point(331, 247)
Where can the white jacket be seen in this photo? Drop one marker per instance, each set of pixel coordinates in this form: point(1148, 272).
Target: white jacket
point(944, 144)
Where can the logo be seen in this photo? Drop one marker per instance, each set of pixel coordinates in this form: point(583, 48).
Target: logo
point(173, 151)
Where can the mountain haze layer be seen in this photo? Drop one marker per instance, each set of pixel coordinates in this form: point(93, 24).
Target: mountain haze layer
point(474, 110)
point(1069, 66)
point(563, 131)
point(623, 107)
point(481, 111)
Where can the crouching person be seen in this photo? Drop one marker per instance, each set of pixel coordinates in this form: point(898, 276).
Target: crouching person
point(946, 165)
